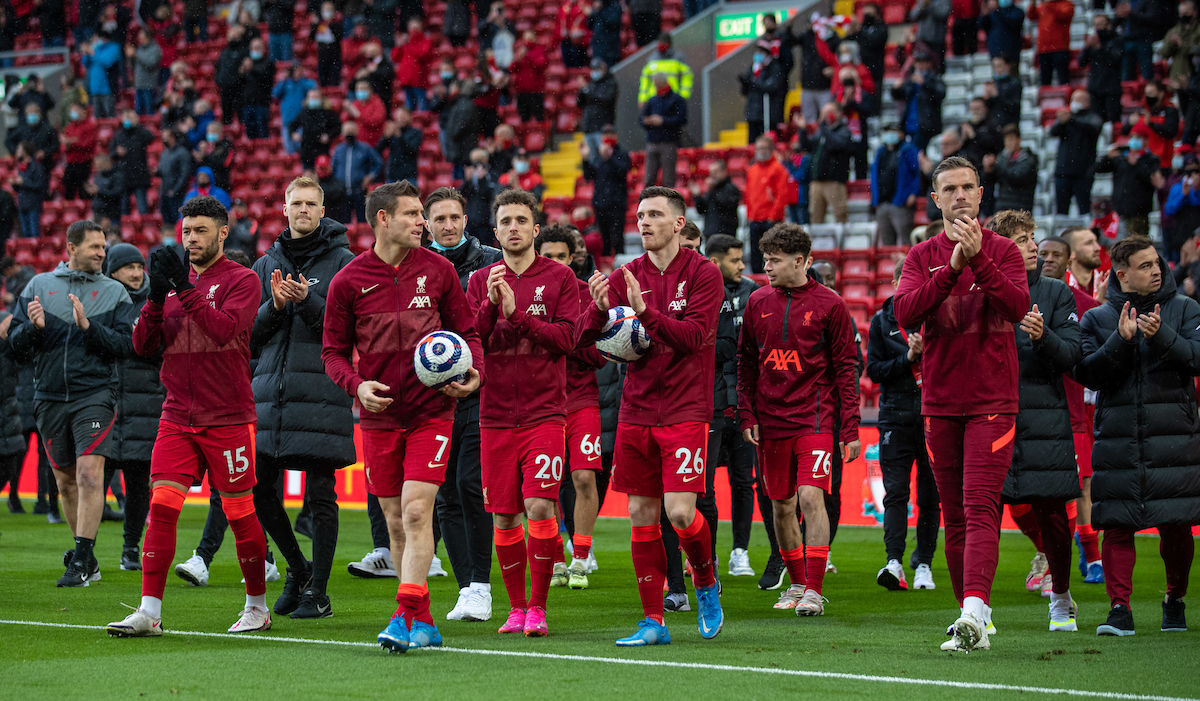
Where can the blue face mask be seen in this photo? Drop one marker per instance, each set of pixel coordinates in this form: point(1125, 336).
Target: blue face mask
point(759, 58)
point(522, 167)
point(891, 138)
point(168, 241)
point(76, 116)
point(256, 55)
point(597, 75)
point(1177, 162)
point(447, 75)
point(212, 138)
point(362, 95)
point(1005, 3)
point(1135, 144)
point(997, 76)
point(126, 123)
point(33, 119)
point(314, 104)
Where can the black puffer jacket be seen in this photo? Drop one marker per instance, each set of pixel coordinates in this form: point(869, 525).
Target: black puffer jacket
point(25, 396)
point(139, 394)
point(468, 258)
point(1044, 454)
point(736, 298)
point(1147, 452)
point(303, 416)
point(12, 434)
point(611, 380)
point(889, 367)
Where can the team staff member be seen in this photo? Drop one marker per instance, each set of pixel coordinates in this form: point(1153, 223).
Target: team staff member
point(304, 420)
point(1044, 474)
point(795, 354)
point(968, 287)
point(525, 311)
point(199, 317)
point(75, 323)
point(381, 305)
point(1141, 351)
point(662, 434)
point(893, 363)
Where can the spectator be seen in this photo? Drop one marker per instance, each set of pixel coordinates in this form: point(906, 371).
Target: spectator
point(646, 18)
point(1136, 177)
point(402, 143)
point(1077, 130)
point(1183, 206)
point(501, 151)
point(215, 152)
point(79, 145)
point(281, 16)
point(367, 110)
point(1102, 55)
point(523, 177)
point(204, 187)
point(175, 172)
point(799, 167)
point(315, 128)
point(147, 66)
point(1191, 94)
point(13, 278)
point(1003, 22)
point(52, 19)
point(8, 35)
point(243, 231)
point(106, 189)
point(605, 25)
point(352, 47)
point(669, 64)
point(1003, 93)
point(761, 82)
point(337, 204)
point(931, 17)
point(719, 201)
point(326, 30)
point(964, 32)
point(571, 32)
point(456, 24)
point(380, 18)
point(766, 196)
point(462, 127)
point(528, 80)
point(101, 58)
point(920, 99)
point(1053, 38)
point(870, 35)
point(32, 183)
point(257, 80)
point(163, 28)
point(1141, 24)
point(356, 164)
point(32, 91)
point(479, 190)
point(128, 150)
point(228, 73)
point(663, 117)
point(379, 72)
point(598, 102)
point(609, 169)
point(1014, 172)
point(858, 103)
point(833, 147)
point(412, 56)
point(1177, 46)
point(195, 20)
point(497, 34)
point(1157, 113)
point(38, 132)
point(981, 134)
point(291, 92)
point(895, 187)
point(490, 82)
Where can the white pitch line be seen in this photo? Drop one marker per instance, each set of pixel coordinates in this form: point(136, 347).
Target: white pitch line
point(661, 663)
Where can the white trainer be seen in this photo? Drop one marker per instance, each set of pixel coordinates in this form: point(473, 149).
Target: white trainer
point(891, 577)
point(1047, 585)
point(377, 564)
point(561, 577)
point(138, 624)
point(830, 568)
point(739, 563)
point(923, 578)
point(456, 613)
point(270, 569)
point(790, 597)
point(1037, 570)
point(478, 606)
point(971, 633)
point(812, 604)
point(591, 562)
point(435, 567)
point(252, 619)
point(193, 570)
point(1062, 615)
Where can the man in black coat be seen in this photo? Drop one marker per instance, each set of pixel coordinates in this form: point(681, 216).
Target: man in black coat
point(1003, 93)
point(1136, 177)
point(609, 170)
point(1141, 352)
point(12, 437)
point(402, 143)
point(1044, 474)
point(719, 202)
point(316, 127)
point(256, 79)
point(1102, 53)
point(128, 151)
point(227, 74)
point(598, 102)
point(480, 190)
point(920, 98)
point(305, 422)
point(1078, 129)
point(34, 128)
point(760, 84)
point(832, 145)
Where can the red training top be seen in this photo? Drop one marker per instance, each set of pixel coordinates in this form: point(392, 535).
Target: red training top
point(582, 389)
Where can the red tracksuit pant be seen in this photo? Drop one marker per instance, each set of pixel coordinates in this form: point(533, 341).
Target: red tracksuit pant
point(1175, 545)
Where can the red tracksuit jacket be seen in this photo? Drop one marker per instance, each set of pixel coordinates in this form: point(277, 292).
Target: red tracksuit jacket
point(969, 364)
point(796, 351)
point(529, 349)
point(673, 382)
point(204, 335)
point(582, 389)
point(382, 312)
point(1079, 417)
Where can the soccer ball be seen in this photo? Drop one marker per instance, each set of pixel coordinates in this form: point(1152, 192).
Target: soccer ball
point(442, 357)
point(623, 339)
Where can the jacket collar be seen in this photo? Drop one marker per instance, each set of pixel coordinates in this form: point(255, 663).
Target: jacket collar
point(1117, 297)
point(77, 275)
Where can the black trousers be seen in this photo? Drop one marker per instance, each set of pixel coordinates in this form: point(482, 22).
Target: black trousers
point(611, 223)
point(216, 524)
point(706, 504)
point(899, 448)
point(10, 474)
point(466, 526)
point(47, 485)
point(531, 106)
point(740, 457)
point(320, 495)
point(137, 496)
point(74, 176)
point(757, 229)
point(646, 26)
point(1068, 187)
point(1108, 105)
point(964, 36)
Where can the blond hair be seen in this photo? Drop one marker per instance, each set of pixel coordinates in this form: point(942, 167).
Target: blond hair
point(306, 183)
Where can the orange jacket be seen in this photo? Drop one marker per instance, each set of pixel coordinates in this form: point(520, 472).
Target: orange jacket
point(766, 191)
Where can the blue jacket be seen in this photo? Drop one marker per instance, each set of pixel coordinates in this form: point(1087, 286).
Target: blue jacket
point(107, 55)
point(291, 94)
point(1003, 29)
point(1176, 200)
point(673, 109)
point(908, 176)
point(212, 190)
point(352, 164)
point(802, 174)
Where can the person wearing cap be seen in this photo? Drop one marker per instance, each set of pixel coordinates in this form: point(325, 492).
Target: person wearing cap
point(1078, 129)
point(1136, 176)
point(1014, 172)
point(920, 99)
point(895, 187)
point(1183, 206)
point(598, 102)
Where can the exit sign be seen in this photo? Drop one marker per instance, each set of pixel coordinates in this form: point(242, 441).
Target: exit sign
point(735, 29)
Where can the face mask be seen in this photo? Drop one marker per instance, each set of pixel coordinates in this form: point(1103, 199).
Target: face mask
point(1005, 3)
point(1152, 100)
point(998, 76)
point(1135, 144)
point(1177, 162)
point(128, 124)
point(447, 75)
point(831, 119)
point(328, 14)
point(663, 47)
point(351, 139)
point(256, 55)
point(1186, 19)
point(759, 58)
point(597, 75)
point(212, 138)
point(845, 58)
point(868, 20)
point(522, 167)
point(32, 119)
point(664, 90)
point(891, 138)
point(314, 104)
point(1076, 107)
point(76, 116)
point(168, 241)
point(362, 95)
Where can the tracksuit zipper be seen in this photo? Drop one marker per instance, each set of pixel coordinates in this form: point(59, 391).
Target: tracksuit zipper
point(67, 355)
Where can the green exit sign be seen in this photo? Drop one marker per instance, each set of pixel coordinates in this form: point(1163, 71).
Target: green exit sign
point(733, 29)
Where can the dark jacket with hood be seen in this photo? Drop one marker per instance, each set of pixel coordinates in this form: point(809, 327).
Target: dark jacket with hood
point(598, 102)
point(139, 395)
point(1147, 452)
point(720, 208)
point(468, 257)
point(736, 298)
point(12, 429)
point(889, 367)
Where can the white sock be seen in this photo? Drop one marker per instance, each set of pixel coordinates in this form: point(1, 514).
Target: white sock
point(259, 601)
point(1056, 598)
point(152, 606)
point(974, 605)
point(482, 586)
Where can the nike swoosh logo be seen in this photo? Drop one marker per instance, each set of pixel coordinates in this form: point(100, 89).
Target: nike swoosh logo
point(54, 292)
point(547, 485)
point(992, 416)
point(368, 289)
point(647, 292)
point(509, 567)
point(235, 479)
point(539, 557)
point(434, 466)
point(707, 628)
point(894, 333)
point(934, 270)
point(322, 609)
point(593, 458)
point(689, 479)
point(764, 316)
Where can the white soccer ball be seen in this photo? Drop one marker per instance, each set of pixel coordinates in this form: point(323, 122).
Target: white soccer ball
point(442, 357)
point(623, 339)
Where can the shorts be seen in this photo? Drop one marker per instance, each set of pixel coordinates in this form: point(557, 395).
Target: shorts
point(1083, 454)
point(521, 463)
point(393, 456)
point(184, 454)
point(791, 463)
point(71, 430)
point(649, 461)
point(583, 439)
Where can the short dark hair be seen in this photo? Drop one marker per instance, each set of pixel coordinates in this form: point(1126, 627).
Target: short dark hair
point(1059, 240)
point(1124, 250)
point(205, 207)
point(690, 231)
point(385, 197)
point(788, 239)
point(898, 270)
point(676, 201)
point(1010, 222)
point(720, 244)
point(30, 149)
point(78, 231)
point(1013, 129)
point(443, 194)
point(666, 37)
point(7, 262)
point(556, 233)
point(239, 256)
point(953, 163)
point(514, 196)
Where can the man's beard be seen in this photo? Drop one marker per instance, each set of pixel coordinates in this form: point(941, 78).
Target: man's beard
point(208, 254)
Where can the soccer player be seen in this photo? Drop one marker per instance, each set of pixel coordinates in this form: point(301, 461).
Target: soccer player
point(381, 305)
point(199, 317)
point(557, 243)
point(1084, 263)
point(967, 286)
point(525, 310)
point(1044, 474)
point(795, 354)
point(1141, 352)
point(662, 434)
point(304, 420)
point(75, 323)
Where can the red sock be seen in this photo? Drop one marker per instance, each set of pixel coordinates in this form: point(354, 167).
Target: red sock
point(696, 541)
point(650, 566)
point(559, 554)
point(1027, 521)
point(250, 541)
point(583, 546)
point(544, 542)
point(814, 562)
point(1090, 540)
point(158, 549)
point(511, 553)
point(408, 600)
point(794, 560)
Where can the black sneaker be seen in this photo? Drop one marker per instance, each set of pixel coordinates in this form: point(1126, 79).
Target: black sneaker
point(67, 556)
point(304, 525)
point(293, 586)
point(772, 576)
point(1120, 622)
point(15, 506)
point(1173, 619)
point(313, 605)
point(131, 561)
point(42, 507)
point(112, 515)
point(75, 576)
point(54, 517)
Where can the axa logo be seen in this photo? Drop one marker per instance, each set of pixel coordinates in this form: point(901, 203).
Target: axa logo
point(679, 289)
point(726, 307)
point(421, 283)
point(537, 293)
point(536, 310)
point(420, 302)
point(677, 305)
point(779, 359)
